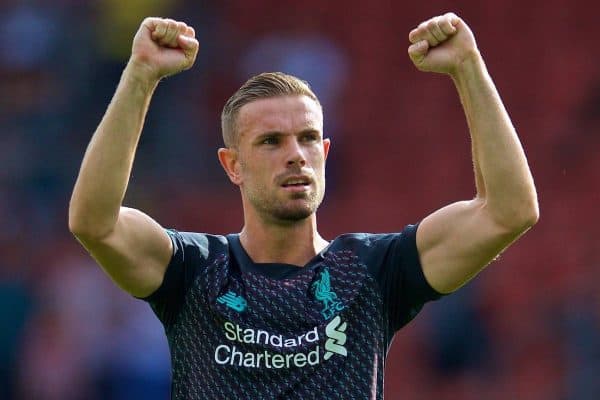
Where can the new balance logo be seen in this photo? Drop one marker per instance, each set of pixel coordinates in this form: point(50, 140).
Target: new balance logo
point(233, 301)
point(336, 338)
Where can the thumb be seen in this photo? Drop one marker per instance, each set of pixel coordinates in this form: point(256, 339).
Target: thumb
point(418, 51)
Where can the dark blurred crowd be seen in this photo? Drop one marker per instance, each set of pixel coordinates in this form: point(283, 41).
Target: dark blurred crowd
point(527, 328)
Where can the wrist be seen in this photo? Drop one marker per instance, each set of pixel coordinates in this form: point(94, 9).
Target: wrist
point(140, 74)
point(471, 63)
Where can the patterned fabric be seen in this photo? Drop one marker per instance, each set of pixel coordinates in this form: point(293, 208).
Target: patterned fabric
point(253, 331)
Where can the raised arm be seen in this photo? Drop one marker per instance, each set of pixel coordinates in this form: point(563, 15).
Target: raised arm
point(457, 241)
point(129, 245)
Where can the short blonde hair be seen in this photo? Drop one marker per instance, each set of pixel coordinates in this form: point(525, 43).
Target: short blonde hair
point(262, 86)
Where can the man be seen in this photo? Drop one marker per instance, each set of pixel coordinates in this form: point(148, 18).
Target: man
point(277, 311)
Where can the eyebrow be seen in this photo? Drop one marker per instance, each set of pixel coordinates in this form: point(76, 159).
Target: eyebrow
point(279, 133)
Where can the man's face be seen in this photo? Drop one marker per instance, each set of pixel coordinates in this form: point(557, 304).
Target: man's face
point(281, 157)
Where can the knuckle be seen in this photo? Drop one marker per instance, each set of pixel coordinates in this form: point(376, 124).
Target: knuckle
point(169, 26)
point(452, 17)
point(431, 38)
point(161, 24)
point(412, 36)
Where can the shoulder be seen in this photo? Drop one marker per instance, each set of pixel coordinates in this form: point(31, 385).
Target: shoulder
point(379, 251)
point(204, 244)
point(361, 241)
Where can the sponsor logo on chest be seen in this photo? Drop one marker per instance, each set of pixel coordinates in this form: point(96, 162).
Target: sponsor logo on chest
point(309, 354)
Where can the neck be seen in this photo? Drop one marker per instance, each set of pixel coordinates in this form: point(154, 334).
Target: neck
point(294, 243)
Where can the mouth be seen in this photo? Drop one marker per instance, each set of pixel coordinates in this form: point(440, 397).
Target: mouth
point(297, 183)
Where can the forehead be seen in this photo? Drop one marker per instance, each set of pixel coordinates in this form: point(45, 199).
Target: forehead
point(284, 114)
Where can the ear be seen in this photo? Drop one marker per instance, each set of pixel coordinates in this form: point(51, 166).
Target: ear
point(230, 163)
point(326, 144)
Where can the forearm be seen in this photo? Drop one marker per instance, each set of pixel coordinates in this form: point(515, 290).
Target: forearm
point(106, 166)
point(504, 181)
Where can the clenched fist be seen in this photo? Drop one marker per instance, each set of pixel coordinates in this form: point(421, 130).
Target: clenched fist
point(163, 47)
point(441, 44)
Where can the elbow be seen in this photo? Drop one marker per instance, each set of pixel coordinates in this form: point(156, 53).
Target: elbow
point(529, 213)
point(87, 232)
point(524, 217)
point(518, 218)
point(77, 221)
point(85, 227)
point(75, 224)
point(534, 214)
point(78, 227)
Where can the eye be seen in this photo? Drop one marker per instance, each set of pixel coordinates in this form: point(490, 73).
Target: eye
point(310, 137)
point(270, 140)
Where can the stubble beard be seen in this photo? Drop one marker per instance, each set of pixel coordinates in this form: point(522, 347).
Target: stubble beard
point(290, 210)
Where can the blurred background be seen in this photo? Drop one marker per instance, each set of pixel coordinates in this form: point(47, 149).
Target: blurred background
point(527, 328)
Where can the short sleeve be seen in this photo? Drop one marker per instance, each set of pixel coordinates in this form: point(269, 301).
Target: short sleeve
point(404, 287)
point(190, 250)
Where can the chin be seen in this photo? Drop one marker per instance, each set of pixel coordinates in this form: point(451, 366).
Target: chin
point(295, 210)
point(287, 211)
point(293, 214)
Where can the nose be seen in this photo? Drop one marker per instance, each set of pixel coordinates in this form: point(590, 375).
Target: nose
point(296, 155)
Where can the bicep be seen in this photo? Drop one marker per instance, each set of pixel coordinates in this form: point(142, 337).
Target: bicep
point(457, 241)
point(135, 254)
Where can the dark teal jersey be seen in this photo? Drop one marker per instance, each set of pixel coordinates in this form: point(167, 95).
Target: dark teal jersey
point(243, 330)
